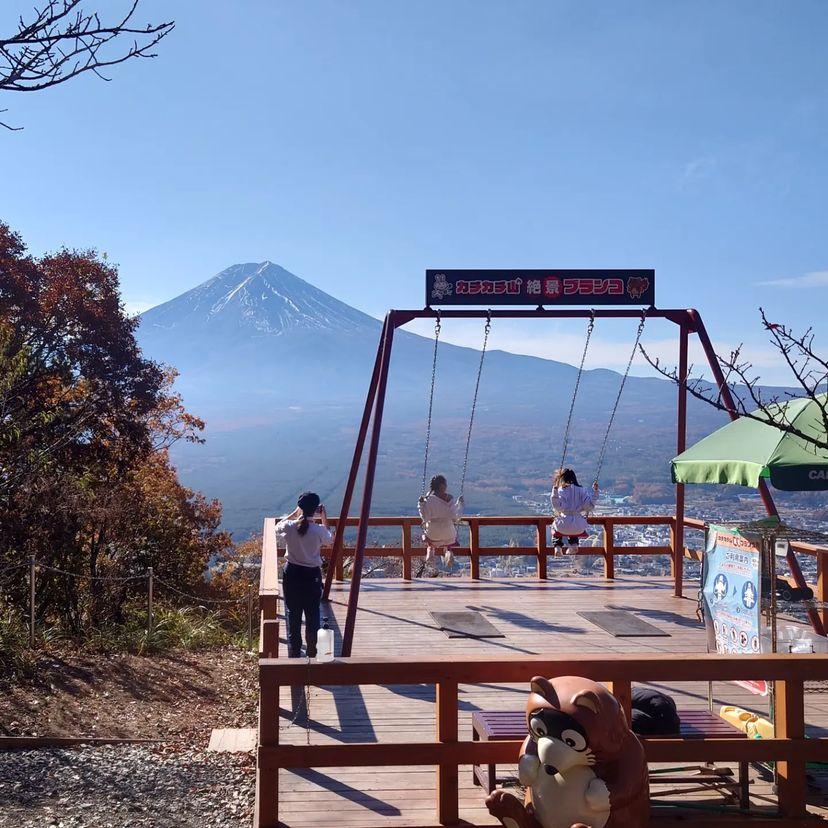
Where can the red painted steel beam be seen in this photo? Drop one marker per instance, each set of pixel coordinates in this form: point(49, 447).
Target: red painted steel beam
point(339, 540)
point(402, 317)
point(365, 512)
point(681, 445)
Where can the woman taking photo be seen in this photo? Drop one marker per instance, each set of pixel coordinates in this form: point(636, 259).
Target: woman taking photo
point(302, 576)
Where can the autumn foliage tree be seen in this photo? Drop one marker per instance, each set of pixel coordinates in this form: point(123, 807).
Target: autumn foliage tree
point(86, 422)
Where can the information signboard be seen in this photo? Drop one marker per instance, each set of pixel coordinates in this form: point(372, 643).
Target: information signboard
point(540, 287)
point(731, 594)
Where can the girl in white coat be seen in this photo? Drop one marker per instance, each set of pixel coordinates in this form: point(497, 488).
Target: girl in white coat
point(439, 511)
point(571, 503)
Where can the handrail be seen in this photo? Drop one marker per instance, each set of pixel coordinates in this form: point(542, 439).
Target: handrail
point(789, 749)
point(510, 668)
point(609, 549)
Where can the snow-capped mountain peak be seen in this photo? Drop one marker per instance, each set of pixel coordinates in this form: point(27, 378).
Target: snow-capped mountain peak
point(257, 297)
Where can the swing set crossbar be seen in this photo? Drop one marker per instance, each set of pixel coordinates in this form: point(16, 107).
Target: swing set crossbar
point(402, 317)
point(688, 321)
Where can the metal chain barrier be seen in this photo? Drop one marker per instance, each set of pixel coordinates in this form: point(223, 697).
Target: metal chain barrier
point(149, 577)
point(80, 576)
point(197, 598)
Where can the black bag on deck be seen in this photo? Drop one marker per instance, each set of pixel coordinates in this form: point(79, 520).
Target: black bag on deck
point(653, 713)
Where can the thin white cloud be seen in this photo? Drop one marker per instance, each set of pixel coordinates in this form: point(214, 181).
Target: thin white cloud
point(696, 171)
point(815, 279)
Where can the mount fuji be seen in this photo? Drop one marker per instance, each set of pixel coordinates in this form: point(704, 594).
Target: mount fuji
point(279, 370)
point(251, 330)
point(254, 299)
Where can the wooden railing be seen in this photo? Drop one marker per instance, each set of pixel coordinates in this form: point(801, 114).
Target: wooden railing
point(409, 549)
point(789, 749)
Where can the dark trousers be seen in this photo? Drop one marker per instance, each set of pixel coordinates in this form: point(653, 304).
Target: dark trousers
point(302, 592)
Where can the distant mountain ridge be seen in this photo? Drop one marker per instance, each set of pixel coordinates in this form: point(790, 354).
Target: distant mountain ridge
point(279, 370)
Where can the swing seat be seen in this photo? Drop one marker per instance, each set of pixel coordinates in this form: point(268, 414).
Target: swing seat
point(436, 545)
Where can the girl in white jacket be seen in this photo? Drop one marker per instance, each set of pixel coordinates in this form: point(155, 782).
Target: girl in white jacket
point(571, 502)
point(439, 511)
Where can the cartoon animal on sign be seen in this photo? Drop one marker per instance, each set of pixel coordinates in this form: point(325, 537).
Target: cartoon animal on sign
point(441, 287)
point(581, 765)
point(637, 286)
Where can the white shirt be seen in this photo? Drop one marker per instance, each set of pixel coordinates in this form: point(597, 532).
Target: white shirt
point(571, 503)
point(303, 550)
point(438, 517)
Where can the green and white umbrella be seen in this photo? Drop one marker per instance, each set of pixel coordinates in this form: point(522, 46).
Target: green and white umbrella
point(746, 451)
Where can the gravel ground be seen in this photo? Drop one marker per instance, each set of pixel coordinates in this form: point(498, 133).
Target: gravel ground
point(125, 787)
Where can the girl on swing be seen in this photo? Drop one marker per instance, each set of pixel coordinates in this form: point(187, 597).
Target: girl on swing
point(571, 503)
point(439, 510)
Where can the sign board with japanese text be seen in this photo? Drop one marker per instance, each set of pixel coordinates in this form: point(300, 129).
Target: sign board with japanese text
point(540, 287)
point(731, 592)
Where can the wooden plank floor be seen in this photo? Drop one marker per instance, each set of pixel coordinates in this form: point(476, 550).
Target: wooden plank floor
point(535, 617)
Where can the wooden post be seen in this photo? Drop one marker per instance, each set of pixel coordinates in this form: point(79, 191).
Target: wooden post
point(447, 783)
point(150, 579)
point(677, 529)
point(32, 579)
point(790, 724)
point(543, 549)
point(268, 639)
point(609, 549)
point(673, 548)
point(249, 617)
point(822, 586)
point(335, 567)
point(267, 779)
point(269, 606)
point(474, 549)
point(622, 690)
point(406, 550)
point(368, 489)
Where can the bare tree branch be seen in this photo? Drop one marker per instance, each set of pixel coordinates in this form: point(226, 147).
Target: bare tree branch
point(809, 370)
point(64, 40)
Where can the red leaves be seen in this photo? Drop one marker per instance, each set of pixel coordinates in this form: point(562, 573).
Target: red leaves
point(85, 481)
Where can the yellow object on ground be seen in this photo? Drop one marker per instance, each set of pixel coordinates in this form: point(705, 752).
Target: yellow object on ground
point(759, 729)
point(737, 716)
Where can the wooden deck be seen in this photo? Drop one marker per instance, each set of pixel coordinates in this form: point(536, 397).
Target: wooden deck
point(534, 617)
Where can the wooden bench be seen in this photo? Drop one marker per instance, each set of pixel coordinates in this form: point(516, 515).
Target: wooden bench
point(500, 726)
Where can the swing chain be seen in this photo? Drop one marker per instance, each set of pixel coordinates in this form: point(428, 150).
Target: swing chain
point(486, 331)
point(590, 328)
point(620, 392)
point(431, 401)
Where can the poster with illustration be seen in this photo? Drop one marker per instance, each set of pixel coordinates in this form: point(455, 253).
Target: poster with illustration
point(732, 600)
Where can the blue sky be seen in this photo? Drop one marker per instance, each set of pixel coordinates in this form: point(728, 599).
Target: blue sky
point(357, 143)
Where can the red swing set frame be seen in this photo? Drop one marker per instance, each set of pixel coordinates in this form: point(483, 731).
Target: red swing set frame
point(688, 321)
